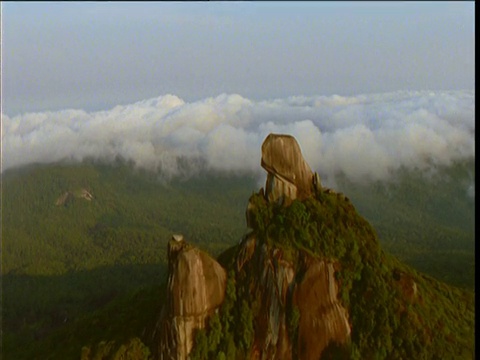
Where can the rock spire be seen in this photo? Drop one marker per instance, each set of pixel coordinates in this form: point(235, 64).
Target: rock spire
point(195, 289)
point(289, 176)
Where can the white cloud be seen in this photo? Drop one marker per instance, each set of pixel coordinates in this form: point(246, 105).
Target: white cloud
point(367, 137)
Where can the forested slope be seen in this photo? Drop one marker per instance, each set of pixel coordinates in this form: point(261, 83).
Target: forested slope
point(61, 263)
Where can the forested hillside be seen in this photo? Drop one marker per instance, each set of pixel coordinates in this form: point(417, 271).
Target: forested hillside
point(426, 220)
point(394, 312)
point(64, 259)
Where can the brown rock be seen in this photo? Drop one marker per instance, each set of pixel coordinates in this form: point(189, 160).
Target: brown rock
point(289, 176)
point(309, 285)
point(407, 284)
point(323, 319)
point(196, 288)
point(85, 194)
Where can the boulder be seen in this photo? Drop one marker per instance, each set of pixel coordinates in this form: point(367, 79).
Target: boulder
point(289, 176)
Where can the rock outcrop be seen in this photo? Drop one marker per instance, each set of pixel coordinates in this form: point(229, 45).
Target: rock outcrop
point(68, 196)
point(289, 176)
point(196, 288)
point(306, 287)
point(308, 282)
point(297, 312)
point(64, 199)
point(327, 319)
point(407, 285)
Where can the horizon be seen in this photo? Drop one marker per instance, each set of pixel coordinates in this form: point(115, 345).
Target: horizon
point(365, 88)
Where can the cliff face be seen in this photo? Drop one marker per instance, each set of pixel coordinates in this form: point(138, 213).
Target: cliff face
point(324, 319)
point(69, 196)
point(196, 288)
point(291, 294)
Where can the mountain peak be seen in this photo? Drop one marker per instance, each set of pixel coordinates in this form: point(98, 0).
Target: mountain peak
point(289, 175)
point(309, 281)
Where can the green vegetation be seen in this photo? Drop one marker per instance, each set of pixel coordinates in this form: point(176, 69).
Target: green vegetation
point(133, 349)
point(62, 261)
point(64, 266)
point(427, 221)
point(396, 312)
point(122, 327)
point(293, 320)
point(225, 337)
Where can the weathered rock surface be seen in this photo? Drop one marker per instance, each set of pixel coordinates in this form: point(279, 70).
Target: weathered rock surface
point(196, 288)
point(308, 285)
point(64, 199)
point(407, 284)
point(289, 176)
point(325, 320)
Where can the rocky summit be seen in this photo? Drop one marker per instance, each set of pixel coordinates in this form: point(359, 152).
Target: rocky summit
point(289, 176)
point(196, 282)
point(308, 281)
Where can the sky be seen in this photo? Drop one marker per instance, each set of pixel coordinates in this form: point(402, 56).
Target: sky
point(95, 55)
point(366, 88)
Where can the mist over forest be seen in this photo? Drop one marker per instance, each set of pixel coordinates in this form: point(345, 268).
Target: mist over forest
point(364, 137)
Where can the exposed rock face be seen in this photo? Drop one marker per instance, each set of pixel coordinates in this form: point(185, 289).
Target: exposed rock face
point(85, 194)
point(289, 176)
point(69, 196)
point(327, 320)
point(196, 288)
point(307, 285)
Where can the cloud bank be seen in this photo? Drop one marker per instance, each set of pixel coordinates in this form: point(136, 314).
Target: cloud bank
point(366, 137)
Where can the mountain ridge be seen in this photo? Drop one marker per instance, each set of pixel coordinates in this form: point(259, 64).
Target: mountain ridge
point(311, 281)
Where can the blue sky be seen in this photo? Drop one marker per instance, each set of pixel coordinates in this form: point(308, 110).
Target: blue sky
point(95, 56)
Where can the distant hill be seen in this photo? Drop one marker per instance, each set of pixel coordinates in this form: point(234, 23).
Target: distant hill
point(428, 221)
